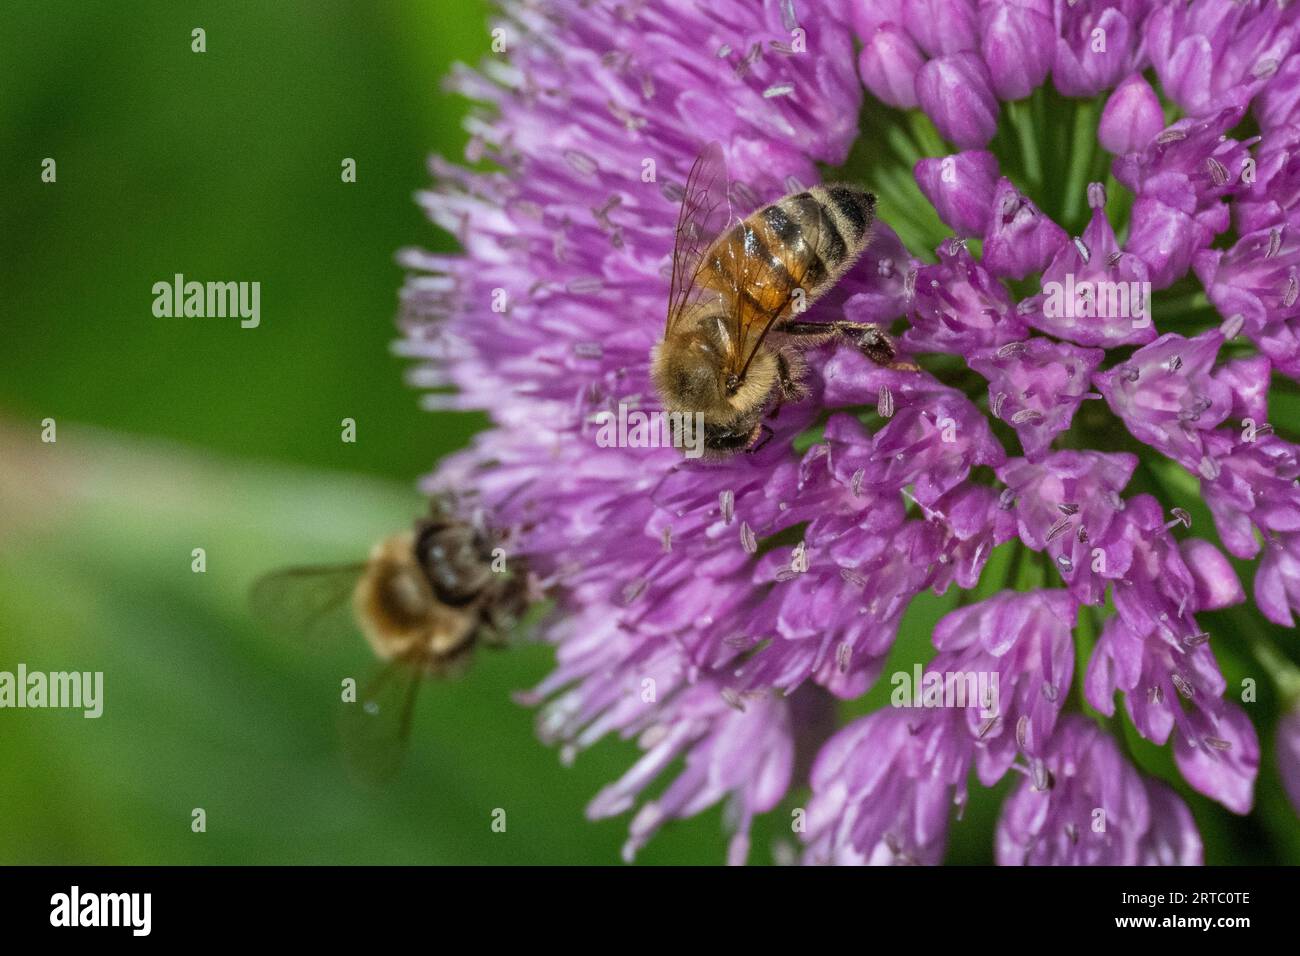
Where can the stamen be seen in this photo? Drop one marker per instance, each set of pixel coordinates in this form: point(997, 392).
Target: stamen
point(635, 590)
point(1096, 195)
point(585, 285)
point(666, 539)
point(1084, 254)
point(1067, 508)
point(1265, 67)
point(727, 505)
point(853, 577)
point(630, 120)
point(672, 191)
point(1058, 529)
point(754, 54)
point(799, 558)
point(787, 16)
point(885, 402)
point(742, 196)
point(747, 539)
point(1231, 326)
point(779, 89)
point(1218, 172)
point(581, 162)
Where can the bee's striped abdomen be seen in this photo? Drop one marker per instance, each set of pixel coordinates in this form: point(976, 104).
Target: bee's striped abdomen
point(827, 228)
point(806, 240)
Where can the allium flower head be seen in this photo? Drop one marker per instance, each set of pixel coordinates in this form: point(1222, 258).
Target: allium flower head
point(1085, 242)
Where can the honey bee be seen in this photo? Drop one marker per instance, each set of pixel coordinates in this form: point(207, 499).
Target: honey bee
point(731, 346)
point(425, 599)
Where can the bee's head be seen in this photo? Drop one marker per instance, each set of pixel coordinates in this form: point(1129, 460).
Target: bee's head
point(687, 372)
point(454, 559)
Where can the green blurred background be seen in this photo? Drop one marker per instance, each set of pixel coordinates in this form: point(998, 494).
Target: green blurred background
point(182, 433)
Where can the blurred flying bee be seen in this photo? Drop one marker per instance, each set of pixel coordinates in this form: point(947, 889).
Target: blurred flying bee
point(731, 347)
point(425, 599)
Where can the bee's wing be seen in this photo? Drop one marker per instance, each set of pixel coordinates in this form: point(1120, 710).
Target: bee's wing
point(376, 728)
point(307, 602)
point(764, 297)
point(705, 214)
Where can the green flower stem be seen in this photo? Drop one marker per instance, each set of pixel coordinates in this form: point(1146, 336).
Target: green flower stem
point(1194, 302)
point(1022, 121)
point(926, 135)
point(909, 213)
point(1119, 205)
point(1284, 674)
point(904, 146)
point(1029, 572)
point(1083, 149)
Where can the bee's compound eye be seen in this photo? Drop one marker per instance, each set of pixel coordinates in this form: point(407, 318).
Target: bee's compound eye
point(452, 564)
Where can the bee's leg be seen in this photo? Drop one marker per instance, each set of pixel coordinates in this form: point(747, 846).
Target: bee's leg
point(789, 372)
point(767, 434)
point(809, 335)
point(873, 341)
